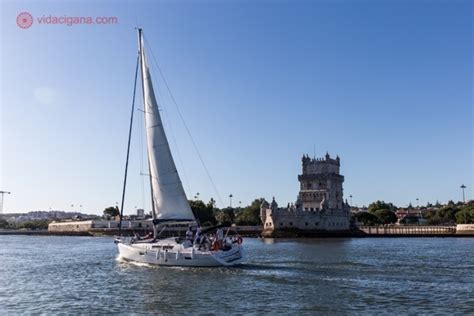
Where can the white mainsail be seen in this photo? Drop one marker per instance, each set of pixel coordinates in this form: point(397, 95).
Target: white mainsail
point(169, 198)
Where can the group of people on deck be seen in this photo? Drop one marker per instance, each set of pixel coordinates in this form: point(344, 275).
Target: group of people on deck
point(212, 241)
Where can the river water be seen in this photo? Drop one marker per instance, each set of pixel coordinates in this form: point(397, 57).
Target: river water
point(81, 275)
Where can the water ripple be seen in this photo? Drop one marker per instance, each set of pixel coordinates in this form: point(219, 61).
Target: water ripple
point(82, 275)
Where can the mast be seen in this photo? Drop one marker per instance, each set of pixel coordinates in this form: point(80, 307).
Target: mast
point(128, 148)
point(169, 202)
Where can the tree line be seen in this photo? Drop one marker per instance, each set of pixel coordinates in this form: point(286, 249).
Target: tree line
point(380, 212)
point(41, 224)
point(209, 215)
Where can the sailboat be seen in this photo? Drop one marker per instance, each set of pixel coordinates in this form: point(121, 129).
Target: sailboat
point(169, 203)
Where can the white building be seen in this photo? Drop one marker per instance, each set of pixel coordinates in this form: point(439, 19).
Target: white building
point(85, 226)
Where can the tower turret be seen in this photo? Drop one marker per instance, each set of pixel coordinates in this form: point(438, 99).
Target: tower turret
point(321, 181)
point(263, 210)
point(274, 204)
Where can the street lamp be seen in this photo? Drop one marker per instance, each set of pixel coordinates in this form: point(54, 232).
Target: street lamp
point(463, 197)
point(230, 200)
point(2, 193)
point(350, 197)
point(417, 204)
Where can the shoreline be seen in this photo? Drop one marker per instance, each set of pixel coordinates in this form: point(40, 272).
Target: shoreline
point(285, 235)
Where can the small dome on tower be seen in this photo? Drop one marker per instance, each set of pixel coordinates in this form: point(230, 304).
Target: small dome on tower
point(274, 204)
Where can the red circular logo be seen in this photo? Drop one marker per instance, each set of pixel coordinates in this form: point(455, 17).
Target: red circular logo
point(24, 20)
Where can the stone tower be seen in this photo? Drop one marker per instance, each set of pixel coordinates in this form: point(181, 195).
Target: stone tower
point(320, 184)
point(319, 207)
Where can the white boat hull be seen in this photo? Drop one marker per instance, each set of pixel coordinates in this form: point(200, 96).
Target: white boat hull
point(169, 253)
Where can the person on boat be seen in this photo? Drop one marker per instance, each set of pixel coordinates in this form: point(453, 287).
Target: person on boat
point(135, 237)
point(197, 237)
point(189, 234)
point(219, 237)
point(148, 236)
point(203, 242)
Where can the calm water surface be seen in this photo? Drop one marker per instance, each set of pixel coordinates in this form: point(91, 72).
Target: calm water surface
point(81, 275)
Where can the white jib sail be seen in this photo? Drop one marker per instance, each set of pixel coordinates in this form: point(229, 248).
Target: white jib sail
point(167, 191)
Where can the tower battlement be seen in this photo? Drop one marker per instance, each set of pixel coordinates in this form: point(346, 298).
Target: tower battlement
point(320, 165)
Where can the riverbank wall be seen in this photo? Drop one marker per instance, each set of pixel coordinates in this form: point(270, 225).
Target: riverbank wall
point(40, 232)
point(256, 231)
point(375, 231)
point(411, 231)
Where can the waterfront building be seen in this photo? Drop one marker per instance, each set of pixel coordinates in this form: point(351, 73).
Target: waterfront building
point(319, 206)
point(86, 226)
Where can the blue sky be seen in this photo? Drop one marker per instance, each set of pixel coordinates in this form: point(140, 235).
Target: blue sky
point(386, 85)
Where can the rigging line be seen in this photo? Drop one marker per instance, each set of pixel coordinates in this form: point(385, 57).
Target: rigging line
point(146, 112)
point(140, 140)
point(185, 126)
point(173, 138)
point(128, 148)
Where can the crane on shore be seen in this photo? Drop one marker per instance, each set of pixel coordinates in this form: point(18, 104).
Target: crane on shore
point(2, 193)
